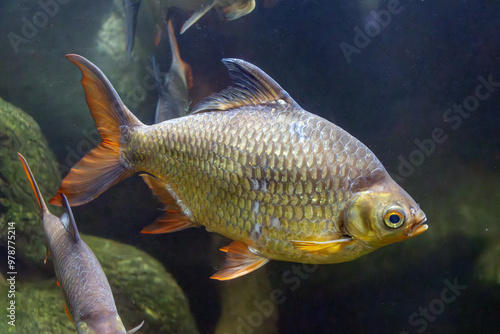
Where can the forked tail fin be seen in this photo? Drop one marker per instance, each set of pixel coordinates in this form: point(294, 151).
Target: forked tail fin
point(101, 167)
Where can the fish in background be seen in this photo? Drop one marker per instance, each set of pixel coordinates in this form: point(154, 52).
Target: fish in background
point(89, 300)
point(173, 88)
point(231, 10)
point(248, 163)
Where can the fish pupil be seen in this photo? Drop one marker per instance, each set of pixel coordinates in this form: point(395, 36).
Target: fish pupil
point(394, 219)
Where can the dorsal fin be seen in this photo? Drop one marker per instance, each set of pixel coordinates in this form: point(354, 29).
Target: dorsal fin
point(251, 87)
point(72, 229)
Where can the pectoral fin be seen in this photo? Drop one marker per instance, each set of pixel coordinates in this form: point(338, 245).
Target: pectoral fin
point(174, 218)
point(323, 247)
point(239, 261)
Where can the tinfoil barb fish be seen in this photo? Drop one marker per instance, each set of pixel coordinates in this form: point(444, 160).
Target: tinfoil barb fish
point(251, 164)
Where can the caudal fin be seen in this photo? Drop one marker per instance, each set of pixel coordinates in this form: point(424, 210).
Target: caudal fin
point(101, 167)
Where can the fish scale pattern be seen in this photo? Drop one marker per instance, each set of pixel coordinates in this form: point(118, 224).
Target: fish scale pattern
point(263, 174)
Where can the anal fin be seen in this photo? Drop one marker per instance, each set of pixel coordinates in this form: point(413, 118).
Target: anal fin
point(239, 261)
point(323, 247)
point(174, 218)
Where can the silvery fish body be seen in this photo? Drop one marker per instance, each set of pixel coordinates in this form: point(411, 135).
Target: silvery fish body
point(252, 165)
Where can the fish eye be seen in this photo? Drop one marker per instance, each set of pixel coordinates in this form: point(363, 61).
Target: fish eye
point(394, 218)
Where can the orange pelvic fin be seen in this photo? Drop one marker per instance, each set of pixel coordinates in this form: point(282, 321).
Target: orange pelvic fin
point(323, 247)
point(174, 218)
point(101, 167)
point(240, 260)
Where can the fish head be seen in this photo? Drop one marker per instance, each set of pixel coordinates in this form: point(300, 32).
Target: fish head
point(105, 323)
point(382, 214)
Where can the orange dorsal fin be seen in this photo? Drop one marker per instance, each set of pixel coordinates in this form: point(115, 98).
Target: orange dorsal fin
point(251, 86)
point(101, 167)
point(323, 247)
point(174, 218)
point(240, 260)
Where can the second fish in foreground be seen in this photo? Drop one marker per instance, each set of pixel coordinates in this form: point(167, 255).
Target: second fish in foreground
point(89, 300)
point(251, 164)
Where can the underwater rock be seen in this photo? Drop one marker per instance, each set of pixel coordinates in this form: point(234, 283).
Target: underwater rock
point(20, 133)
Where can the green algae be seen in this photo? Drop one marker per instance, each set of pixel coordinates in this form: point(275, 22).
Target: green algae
point(20, 133)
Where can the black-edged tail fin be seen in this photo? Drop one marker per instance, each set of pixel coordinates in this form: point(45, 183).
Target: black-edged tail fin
point(101, 167)
point(73, 230)
point(34, 186)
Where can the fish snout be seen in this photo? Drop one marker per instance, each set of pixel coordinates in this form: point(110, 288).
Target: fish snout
point(419, 226)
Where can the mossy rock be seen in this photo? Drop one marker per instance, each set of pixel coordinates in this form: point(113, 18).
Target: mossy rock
point(20, 133)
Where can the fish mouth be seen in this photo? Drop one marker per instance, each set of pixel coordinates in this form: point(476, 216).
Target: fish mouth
point(418, 228)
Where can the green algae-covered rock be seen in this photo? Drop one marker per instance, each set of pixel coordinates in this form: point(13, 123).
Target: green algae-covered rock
point(142, 289)
point(20, 133)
